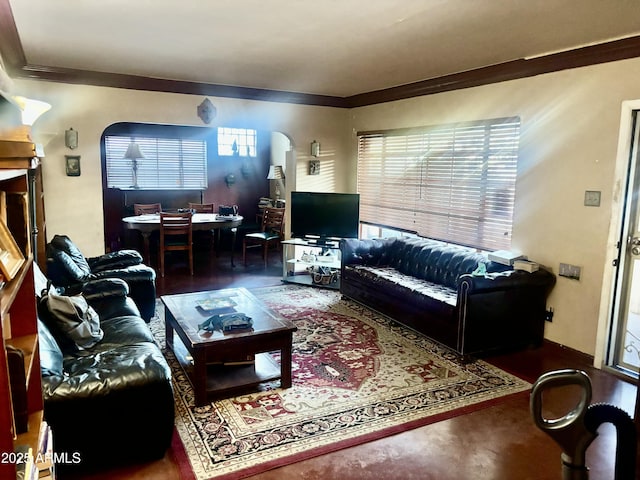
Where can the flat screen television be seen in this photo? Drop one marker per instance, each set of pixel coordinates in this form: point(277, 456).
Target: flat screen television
point(325, 216)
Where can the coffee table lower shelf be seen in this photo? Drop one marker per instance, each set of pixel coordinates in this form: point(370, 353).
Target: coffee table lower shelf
point(224, 381)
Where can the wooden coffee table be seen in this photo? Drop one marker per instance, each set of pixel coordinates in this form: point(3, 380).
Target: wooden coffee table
point(220, 364)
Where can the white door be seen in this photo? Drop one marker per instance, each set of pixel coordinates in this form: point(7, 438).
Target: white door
point(624, 347)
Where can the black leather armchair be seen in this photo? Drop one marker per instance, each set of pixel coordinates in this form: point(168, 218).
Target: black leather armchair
point(112, 403)
point(68, 267)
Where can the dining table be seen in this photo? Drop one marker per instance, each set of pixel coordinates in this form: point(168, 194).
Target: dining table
point(148, 223)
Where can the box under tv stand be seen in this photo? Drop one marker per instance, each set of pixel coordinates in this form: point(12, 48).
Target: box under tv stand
point(307, 262)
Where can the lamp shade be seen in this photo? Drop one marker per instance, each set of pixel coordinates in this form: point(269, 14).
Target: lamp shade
point(133, 151)
point(31, 109)
point(275, 173)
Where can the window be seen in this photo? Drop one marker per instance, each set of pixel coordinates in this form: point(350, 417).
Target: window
point(237, 141)
point(450, 182)
point(168, 163)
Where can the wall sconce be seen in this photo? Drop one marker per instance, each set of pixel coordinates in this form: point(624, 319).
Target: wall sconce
point(133, 153)
point(245, 169)
point(71, 138)
point(276, 173)
point(230, 179)
point(315, 149)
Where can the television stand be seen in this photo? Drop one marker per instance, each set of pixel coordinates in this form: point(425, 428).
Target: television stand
point(307, 262)
point(322, 242)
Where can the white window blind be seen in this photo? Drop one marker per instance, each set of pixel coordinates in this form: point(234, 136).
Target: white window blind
point(451, 182)
point(168, 163)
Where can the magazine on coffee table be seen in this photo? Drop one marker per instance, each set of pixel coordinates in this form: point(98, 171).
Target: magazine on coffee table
point(211, 304)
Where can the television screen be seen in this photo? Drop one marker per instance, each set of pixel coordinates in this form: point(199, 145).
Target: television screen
point(325, 215)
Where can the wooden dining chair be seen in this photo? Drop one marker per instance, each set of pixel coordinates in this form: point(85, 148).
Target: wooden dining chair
point(204, 237)
point(202, 207)
point(176, 233)
point(272, 229)
point(146, 208)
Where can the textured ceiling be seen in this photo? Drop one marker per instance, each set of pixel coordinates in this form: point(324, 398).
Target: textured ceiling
point(328, 47)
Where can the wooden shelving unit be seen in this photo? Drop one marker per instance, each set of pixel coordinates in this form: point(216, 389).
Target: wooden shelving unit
point(18, 315)
point(308, 263)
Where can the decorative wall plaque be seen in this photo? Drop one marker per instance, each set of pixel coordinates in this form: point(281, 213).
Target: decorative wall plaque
point(71, 138)
point(72, 165)
point(206, 111)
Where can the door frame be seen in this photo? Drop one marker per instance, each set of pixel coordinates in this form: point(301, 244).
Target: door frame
point(618, 200)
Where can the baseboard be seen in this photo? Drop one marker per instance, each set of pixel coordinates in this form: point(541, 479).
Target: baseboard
point(565, 351)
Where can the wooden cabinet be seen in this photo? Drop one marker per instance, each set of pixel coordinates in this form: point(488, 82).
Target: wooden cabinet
point(18, 316)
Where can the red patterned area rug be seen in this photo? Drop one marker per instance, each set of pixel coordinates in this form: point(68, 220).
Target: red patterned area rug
point(357, 376)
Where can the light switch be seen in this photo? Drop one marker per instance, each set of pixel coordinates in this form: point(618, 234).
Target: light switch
point(592, 198)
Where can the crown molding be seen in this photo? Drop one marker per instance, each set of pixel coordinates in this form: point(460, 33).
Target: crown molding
point(521, 68)
point(134, 82)
point(17, 66)
point(10, 47)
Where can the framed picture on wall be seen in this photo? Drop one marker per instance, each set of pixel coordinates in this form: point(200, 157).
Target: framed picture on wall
point(314, 167)
point(72, 164)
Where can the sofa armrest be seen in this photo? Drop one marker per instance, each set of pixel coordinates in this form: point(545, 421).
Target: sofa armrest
point(103, 288)
point(505, 280)
point(142, 286)
point(365, 252)
point(114, 260)
point(110, 298)
point(502, 310)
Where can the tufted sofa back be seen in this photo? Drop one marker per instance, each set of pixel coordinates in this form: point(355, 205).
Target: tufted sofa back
point(423, 258)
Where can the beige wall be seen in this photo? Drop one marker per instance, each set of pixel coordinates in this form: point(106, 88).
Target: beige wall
point(74, 204)
point(570, 124)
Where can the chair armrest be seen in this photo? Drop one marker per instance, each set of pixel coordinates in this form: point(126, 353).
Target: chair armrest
point(134, 273)
point(114, 260)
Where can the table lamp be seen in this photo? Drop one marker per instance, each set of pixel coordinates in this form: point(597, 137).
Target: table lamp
point(276, 173)
point(133, 153)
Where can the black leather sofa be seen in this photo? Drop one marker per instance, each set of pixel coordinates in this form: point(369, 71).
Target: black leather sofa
point(429, 286)
point(111, 403)
point(67, 267)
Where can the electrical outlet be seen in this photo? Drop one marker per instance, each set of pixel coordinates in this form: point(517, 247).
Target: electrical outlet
point(570, 271)
point(548, 316)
